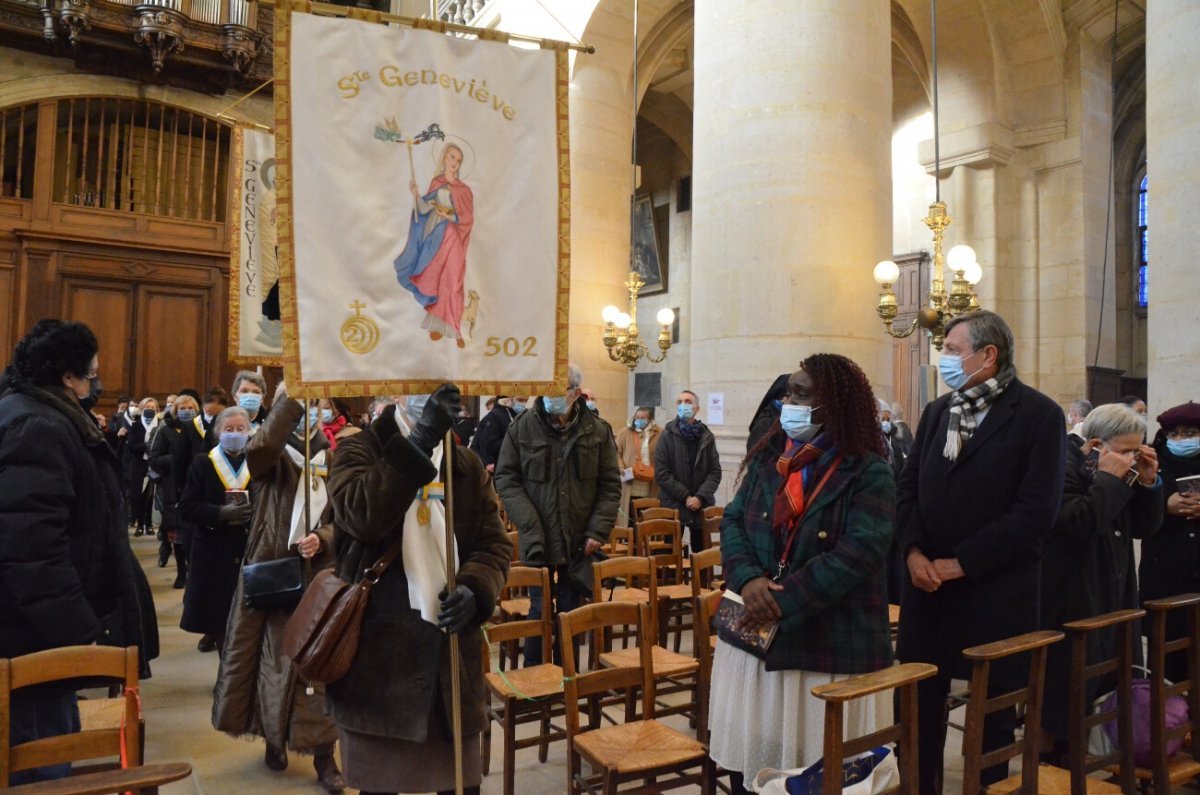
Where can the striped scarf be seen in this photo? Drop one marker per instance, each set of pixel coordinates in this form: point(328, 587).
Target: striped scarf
point(966, 403)
point(797, 465)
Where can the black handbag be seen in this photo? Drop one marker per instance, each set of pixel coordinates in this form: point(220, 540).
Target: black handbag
point(273, 583)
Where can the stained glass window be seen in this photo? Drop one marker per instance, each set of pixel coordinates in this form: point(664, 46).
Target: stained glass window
point(1143, 243)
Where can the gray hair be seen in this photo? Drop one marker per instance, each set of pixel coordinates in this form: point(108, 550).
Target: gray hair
point(987, 328)
point(226, 415)
point(252, 377)
point(1112, 420)
point(574, 377)
point(897, 411)
point(1082, 407)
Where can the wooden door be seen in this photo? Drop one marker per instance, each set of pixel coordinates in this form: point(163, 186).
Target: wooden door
point(107, 307)
point(172, 347)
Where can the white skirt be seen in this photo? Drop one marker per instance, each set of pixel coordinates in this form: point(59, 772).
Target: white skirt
point(764, 719)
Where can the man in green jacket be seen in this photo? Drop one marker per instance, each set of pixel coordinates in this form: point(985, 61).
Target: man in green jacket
point(558, 478)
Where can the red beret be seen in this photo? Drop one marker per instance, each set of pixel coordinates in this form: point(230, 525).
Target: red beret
point(1183, 414)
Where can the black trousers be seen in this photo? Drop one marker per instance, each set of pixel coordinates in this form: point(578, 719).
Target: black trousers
point(998, 731)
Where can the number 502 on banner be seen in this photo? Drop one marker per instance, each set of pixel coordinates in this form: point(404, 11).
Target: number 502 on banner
point(511, 346)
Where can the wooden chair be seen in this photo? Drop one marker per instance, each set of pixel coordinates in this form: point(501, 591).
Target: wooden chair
point(902, 678)
point(637, 750)
point(714, 512)
point(620, 542)
point(525, 695)
point(712, 532)
point(704, 565)
point(678, 670)
point(661, 540)
point(704, 643)
point(122, 741)
point(640, 504)
point(980, 706)
point(1170, 771)
point(1080, 718)
point(513, 605)
point(648, 514)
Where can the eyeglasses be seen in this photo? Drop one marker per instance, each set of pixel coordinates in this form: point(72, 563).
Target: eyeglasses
point(1183, 433)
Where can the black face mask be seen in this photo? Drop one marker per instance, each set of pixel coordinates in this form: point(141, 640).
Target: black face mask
point(89, 402)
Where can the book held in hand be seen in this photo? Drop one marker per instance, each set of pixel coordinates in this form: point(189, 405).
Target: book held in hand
point(728, 619)
point(1189, 484)
point(237, 497)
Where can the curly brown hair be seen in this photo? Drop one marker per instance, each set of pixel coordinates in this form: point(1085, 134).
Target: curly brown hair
point(848, 408)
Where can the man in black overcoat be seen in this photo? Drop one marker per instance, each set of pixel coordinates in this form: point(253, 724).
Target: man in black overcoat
point(980, 492)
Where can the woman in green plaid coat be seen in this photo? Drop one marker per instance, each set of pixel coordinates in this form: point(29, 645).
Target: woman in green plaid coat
point(804, 543)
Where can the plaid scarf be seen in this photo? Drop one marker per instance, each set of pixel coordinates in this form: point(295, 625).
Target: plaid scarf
point(797, 465)
point(966, 403)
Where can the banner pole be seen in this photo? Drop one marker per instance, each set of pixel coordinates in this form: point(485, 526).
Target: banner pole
point(455, 685)
point(307, 470)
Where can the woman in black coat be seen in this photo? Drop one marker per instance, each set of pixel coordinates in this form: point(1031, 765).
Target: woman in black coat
point(134, 465)
point(1111, 495)
point(170, 482)
point(221, 521)
point(1171, 559)
point(67, 574)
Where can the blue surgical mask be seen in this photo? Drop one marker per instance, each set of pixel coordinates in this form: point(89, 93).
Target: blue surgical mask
point(591, 404)
point(250, 401)
point(518, 407)
point(886, 425)
point(1184, 448)
point(640, 424)
point(556, 406)
point(796, 420)
point(414, 407)
point(147, 417)
point(327, 416)
point(234, 442)
point(951, 369)
point(685, 411)
point(314, 415)
point(186, 415)
point(778, 404)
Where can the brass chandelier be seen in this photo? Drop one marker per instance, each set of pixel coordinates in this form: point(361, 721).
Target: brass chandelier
point(942, 306)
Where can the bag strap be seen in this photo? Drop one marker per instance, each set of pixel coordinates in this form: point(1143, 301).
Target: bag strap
point(373, 574)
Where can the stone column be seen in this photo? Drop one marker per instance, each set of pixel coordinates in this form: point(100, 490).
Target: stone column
point(791, 194)
point(1172, 137)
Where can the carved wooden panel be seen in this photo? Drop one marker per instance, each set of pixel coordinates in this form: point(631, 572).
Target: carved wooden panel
point(172, 339)
point(107, 308)
point(8, 299)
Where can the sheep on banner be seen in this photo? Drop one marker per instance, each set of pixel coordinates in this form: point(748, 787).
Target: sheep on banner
point(255, 330)
point(424, 214)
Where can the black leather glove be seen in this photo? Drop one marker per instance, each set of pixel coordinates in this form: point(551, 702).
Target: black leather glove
point(235, 513)
point(443, 408)
point(458, 608)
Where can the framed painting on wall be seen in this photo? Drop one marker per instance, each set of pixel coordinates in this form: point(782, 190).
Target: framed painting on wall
point(645, 256)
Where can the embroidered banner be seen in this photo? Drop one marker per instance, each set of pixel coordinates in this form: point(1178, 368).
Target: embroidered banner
point(255, 329)
point(423, 209)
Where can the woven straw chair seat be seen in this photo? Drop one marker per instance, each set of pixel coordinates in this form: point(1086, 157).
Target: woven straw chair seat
point(1180, 767)
point(893, 614)
point(537, 681)
point(637, 595)
point(101, 713)
point(1054, 781)
point(641, 745)
point(515, 607)
point(665, 662)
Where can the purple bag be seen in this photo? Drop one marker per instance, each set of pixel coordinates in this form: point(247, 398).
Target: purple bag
point(1177, 715)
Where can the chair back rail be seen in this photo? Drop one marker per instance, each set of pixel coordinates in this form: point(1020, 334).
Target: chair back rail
point(1188, 607)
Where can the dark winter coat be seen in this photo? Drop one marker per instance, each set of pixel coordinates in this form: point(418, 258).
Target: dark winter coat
point(215, 565)
point(679, 476)
point(402, 660)
point(133, 455)
point(1087, 567)
point(991, 509)
point(67, 573)
point(163, 451)
point(191, 444)
point(834, 602)
point(489, 436)
point(559, 488)
point(258, 691)
point(1171, 558)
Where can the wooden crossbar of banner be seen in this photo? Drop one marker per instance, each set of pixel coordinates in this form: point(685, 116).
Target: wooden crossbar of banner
point(437, 25)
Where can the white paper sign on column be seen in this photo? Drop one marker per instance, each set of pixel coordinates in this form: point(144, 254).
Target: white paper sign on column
point(715, 413)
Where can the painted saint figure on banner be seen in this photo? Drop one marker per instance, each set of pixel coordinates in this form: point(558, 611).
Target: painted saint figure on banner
point(433, 264)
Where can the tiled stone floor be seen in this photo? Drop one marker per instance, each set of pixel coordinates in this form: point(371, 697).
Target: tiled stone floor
point(177, 703)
